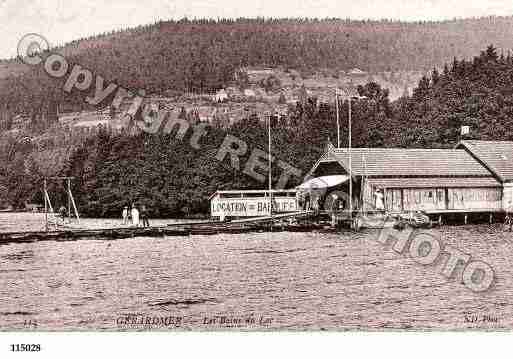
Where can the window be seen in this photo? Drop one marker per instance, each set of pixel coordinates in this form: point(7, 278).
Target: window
point(440, 195)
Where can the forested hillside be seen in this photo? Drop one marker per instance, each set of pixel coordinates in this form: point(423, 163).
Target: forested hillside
point(477, 92)
point(174, 179)
point(202, 55)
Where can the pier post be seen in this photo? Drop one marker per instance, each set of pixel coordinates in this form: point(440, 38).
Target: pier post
point(466, 218)
point(46, 205)
point(69, 198)
point(491, 218)
point(356, 224)
point(270, 174)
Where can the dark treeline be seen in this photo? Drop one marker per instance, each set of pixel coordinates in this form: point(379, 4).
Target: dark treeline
point(203, 55)
point(166, 174)
point(174, 179)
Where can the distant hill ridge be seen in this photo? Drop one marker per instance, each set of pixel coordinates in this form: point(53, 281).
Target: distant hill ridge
point(203, 55)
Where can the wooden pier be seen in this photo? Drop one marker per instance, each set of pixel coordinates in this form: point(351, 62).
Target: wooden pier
point(305, 221)
point(291, 222)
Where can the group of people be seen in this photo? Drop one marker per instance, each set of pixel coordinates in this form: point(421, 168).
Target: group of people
point(135, 217)
point(314, 201)
point(309, 202)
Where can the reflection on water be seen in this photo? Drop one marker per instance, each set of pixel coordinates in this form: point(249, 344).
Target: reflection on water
point(249, 281)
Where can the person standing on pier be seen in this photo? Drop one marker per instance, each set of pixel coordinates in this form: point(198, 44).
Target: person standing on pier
point(144, 216)
point(300, 200)
point(125, 215)
point(135, 216)
point(508, 220)
point(379, 204)
point(316, 206)
point(62, 213)
point(307, 201)
point(335, 203)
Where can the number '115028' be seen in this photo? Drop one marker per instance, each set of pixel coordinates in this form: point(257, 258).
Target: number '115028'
point(25, 347)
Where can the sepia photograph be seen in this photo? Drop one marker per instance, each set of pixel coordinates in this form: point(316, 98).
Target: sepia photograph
point(255, 167)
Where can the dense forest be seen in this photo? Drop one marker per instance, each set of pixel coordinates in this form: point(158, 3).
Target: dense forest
point(174, 179)
point(203, 55)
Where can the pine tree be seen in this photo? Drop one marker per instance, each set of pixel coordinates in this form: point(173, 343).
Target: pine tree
point(455, 67)
point(491, 53)
point(446, 71)
point(422, 90)
point(435, 76)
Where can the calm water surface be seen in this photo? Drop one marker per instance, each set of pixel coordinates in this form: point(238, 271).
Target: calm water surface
point(287, 280)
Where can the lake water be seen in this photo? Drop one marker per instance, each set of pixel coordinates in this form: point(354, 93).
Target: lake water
point(259, 281)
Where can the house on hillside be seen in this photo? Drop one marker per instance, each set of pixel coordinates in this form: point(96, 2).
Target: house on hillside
point(205, 113)
point(85, 118)
point(33, 207)
point(256, 75)
point(220, 96)
point(234, 93)
point(356, 73)
point(260, 93)
point(325, 96)
point(302, 94)
point(20, 122)
point(249, 94)
point(281, 110)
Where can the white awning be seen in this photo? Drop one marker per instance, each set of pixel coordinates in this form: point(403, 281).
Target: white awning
point(323, 182)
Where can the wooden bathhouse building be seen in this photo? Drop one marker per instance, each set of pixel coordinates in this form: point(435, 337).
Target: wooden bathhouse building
point(496, 157)
point(474, 176)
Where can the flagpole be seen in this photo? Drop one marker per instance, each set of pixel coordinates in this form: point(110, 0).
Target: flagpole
point(350, 166)
point(338, 121)
point(270, 172)
point(46, 205)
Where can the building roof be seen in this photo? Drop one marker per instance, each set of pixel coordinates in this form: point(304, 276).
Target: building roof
point(249, 92)
point(497, 156)
point(395, 162)
point(439, 182)
point(356, 71)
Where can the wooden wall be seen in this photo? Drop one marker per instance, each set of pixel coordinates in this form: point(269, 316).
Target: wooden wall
point(430, 199)
point(464, 198)
point(424, 198)
point(507, 198)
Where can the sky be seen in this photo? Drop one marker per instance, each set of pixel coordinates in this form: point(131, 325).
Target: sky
point(61, 21)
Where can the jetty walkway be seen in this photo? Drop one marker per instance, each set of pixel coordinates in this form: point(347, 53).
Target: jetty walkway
point(291, 222)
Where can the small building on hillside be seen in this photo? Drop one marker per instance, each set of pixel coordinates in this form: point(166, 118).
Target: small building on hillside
point(220, 96)
point(85, 118)
point(203, 113)
point(260, 94)
point(33, 207)
point(234, 93)
point(356, 73)
point(20, 122)
point(435, 181)
point(325, 97)
point(256, 74)
point(249, 94)
point(302, 94)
